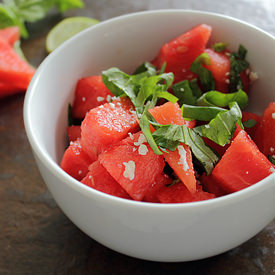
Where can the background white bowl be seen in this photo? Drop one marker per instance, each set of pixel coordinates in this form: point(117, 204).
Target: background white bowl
point(175, 232)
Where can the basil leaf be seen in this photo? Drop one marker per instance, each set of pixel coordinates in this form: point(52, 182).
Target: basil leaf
point(237, 65)
point(219, 47)
point(184, 93)
point(203, 113)
point(249, 123)
point(145, 128)
point(271, 159)
point(205, 76)
point(196, 90)
point(221, 128)
point(215, 98)
point(146, 67)
point(170, 136)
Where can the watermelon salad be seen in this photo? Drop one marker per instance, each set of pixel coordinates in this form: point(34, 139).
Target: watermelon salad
point(175, 130)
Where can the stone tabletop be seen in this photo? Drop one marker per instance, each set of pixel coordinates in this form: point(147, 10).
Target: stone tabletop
point(37, 238)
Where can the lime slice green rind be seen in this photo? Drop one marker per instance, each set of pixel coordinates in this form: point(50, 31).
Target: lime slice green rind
point(67, 28)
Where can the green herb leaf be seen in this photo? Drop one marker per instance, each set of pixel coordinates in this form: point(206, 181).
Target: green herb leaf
point(237, 65)
point(249, 123)
point(215, 98)
point(221, 128)
point(203, 113)
point(169, 137)
point(184, 93)
point(271, 159)
point(146, 67)
point(205, 76)
point(219, 47)
point(196, 90)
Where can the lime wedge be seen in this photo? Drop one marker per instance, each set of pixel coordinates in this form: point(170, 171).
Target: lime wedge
point(67, 28)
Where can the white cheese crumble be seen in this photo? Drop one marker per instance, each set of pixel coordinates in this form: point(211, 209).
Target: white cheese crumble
point(100, 98)
point(101, 107)
point(182, 159)
point(112, 105)
point(79, 172)
point(109, 98)
point(129, 171)
point(83, 99)
point(182, 89)
point(273, 115)
point(272, 170)
point(141, 139)
point(227, 81)
point(131, 135)
point(271, 149)
point(142, 150)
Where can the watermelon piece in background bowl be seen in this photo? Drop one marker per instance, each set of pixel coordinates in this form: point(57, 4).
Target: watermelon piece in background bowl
point(158, 232)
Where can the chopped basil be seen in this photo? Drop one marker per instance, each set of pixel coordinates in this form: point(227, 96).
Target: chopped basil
point(237, 65)
point(196, 90)
point(215, 98)
point(170, 136)
point(249, 123)
point(205, 76)
point(146, 67)
point(184, 93)
point(219, 47)
point(203, 113)
point(221, 128)
point(271, 159)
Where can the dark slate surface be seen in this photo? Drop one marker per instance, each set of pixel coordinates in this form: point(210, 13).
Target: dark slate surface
point(37, 238)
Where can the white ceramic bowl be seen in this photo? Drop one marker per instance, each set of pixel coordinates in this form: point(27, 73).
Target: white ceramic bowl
point(175, 232)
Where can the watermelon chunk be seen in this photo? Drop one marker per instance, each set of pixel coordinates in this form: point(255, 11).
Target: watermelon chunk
point(90, 92)
point(133, 164)
point(10, 34)
point(75, 161)
point(13, 69)
point(211, 186)
point(99, 179)
point(242, 165)
point(178, 193)
point(161, 180)
point(220, 68)
point(106, 125)
point(180, 160)
point(180, 52)
point(265, 132)
point(7, 89)
point(73, 132)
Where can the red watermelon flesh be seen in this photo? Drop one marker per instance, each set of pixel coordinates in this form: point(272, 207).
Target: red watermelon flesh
point(75, 161)
point(73, 132)
point(265, 132)
point(13, 69)
point(99, 179)
point(220, 68)
point(10, 34)
point(161, 180)
point(178, 193)
point(107, 124)
point(180, 160)
point(133, 164)
point(242, 165)
point(211, 186)
point(90, 92)
point(7, 89)
point(180, 52)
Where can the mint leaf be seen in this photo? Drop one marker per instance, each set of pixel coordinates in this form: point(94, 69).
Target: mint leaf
point(205, 76)
point(237, 65)
point(215, 98)
point(219, 47)
point(146, 67)
point(221, 128)
point(203, 113)
point(249, 123)
point(196, 90)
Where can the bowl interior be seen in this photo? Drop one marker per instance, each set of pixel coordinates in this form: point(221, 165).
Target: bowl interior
point(126, 42)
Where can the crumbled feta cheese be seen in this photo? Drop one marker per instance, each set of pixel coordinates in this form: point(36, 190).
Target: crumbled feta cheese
point(272, 170)
point(129, 171)
point(90, 177)
point(141, 139)
point(207, 126)
point(273, 115)
point(142, 149)
point(227, 73)
point(227, 81)
point(101, 107)
point(182, 89)
point(112, 105)
point(182, 159)
point(131, 135)
point(79, 172)
point(253, 76)
point(109, 98)
point(100, 98)
point(183, 70)
point(133, 112)
point(246, 172)
point(118, 103)
point(83, 99)
point(271, 149)
point(134, 149)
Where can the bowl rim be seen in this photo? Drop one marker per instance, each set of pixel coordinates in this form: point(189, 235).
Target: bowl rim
point(55, 168)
